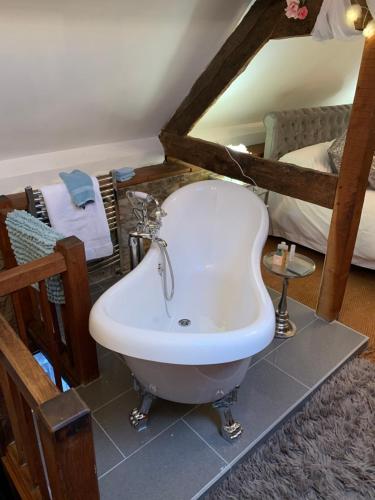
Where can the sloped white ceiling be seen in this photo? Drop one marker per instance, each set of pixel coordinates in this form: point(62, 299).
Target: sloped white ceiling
point(83, 72)
point(285, 74)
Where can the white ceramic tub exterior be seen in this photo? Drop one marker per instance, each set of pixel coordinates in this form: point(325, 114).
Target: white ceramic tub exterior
point(215, 231)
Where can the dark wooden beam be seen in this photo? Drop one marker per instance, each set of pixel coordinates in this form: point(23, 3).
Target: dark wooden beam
point(24, 275)
point(295, 27)
point(264, 21)
point(291, 180)
point(65, 428)
point(76, 312)
point(351, 189)
point(19, 363)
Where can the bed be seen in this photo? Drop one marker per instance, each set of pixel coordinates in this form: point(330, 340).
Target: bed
point(303, 137)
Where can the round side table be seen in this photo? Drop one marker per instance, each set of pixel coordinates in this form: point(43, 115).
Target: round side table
point(299, 267)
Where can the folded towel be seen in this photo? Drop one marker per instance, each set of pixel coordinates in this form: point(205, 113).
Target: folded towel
point(124, 174)
point(89, 225)
point(123, 178)
point(32, 239)
point(80, 187)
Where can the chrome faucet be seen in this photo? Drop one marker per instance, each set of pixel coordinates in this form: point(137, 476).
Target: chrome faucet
point(148, 227)
point(149, 222)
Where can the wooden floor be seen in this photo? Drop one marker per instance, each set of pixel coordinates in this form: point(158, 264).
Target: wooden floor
point(358, 311)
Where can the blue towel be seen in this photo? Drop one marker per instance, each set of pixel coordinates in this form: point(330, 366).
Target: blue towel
point(80, 187)
point(32, 239)
point(124, 174)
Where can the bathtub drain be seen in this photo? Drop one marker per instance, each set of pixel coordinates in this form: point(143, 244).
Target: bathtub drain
point(184, 322)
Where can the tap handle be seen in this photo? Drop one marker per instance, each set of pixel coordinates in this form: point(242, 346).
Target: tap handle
point(140, 195)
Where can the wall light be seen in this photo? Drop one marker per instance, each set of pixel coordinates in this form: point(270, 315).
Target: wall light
point(354, 13)
point(369, 31)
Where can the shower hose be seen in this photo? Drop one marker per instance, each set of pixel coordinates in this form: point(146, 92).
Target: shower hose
point(166, 267)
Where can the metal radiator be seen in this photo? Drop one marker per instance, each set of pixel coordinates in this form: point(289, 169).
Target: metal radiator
point(107, 185)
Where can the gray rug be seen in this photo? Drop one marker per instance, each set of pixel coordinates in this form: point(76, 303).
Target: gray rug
point(325, 451)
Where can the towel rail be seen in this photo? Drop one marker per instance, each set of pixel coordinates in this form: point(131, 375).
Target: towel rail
point(107, 186)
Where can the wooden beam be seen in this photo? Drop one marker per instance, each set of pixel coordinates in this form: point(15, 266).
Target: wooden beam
point(285, 178)
point(26, 274)
point(153, 173)
point(295, 27)
point(265, 20)
point(351, 189)
point(18, 361)
point(16, 201)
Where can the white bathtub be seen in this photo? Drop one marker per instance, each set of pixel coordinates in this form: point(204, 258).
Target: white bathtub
point(215, 232)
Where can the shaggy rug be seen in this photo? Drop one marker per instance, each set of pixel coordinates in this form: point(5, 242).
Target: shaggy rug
point(326, 451)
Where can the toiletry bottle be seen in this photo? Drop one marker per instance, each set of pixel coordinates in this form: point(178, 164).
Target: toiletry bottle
point(284, 249)
point(292, 252)
point(277, 258)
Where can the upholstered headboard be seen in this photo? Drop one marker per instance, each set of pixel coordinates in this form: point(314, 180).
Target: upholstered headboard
point(294, 129)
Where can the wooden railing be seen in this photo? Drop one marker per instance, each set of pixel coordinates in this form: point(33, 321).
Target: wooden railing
point(51, 455)
point(60, 332)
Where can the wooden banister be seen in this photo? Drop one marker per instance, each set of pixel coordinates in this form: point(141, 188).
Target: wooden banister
point(32, 272)
point(25, 371)
point(62, 422)
point(36, 319)
point(66, 435)
point(76, 312)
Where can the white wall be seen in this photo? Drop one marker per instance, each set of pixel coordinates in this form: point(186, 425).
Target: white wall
point(285, 74)
point(79, 73)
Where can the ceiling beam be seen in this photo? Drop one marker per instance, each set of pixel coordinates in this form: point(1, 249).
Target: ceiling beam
point(291, 180)
point(265, 20)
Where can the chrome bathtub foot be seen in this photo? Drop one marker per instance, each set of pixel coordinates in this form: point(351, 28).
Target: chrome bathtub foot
point(230, 429)
point(139, 416)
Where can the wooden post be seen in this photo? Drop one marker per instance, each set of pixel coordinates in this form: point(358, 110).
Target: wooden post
point(63, 424)
point(77, 309)
point(5, 427)
point(351, 189)
point(52, 336)
point(65, 430)
point(21, 298)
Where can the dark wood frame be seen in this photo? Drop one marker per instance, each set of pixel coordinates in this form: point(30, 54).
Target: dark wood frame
point(51, 445)
point(37, 323)
point(345, 194)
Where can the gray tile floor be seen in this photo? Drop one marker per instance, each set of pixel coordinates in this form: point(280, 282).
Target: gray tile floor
point(182, 454)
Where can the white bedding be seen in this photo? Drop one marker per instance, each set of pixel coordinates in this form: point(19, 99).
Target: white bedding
point(308, 224)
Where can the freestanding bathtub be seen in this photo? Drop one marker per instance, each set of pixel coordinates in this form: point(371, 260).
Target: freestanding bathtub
point(215, 232)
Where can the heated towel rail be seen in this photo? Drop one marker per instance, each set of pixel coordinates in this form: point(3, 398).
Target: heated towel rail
point(108, 190)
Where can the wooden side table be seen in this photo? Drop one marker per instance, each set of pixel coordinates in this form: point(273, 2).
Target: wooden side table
point(299, 267)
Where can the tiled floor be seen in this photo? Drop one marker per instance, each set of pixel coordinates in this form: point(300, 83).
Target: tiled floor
point(182, 454)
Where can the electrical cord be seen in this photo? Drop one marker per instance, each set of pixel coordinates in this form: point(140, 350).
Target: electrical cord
point(239, 166)
point(255, 185)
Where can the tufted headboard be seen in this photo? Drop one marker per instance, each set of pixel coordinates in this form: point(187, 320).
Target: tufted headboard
point(294, 129)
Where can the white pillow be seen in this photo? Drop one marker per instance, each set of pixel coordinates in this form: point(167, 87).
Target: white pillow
point(315, 157)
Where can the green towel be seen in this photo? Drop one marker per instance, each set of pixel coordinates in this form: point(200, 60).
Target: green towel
point(32, 239)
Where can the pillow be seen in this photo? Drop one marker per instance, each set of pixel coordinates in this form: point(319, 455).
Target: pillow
point(335, 153)
point(315, 157)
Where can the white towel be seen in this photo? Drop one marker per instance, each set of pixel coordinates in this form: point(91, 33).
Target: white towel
point(89, 225)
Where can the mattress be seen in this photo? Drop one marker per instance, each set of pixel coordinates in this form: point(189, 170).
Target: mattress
point(308, 224)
